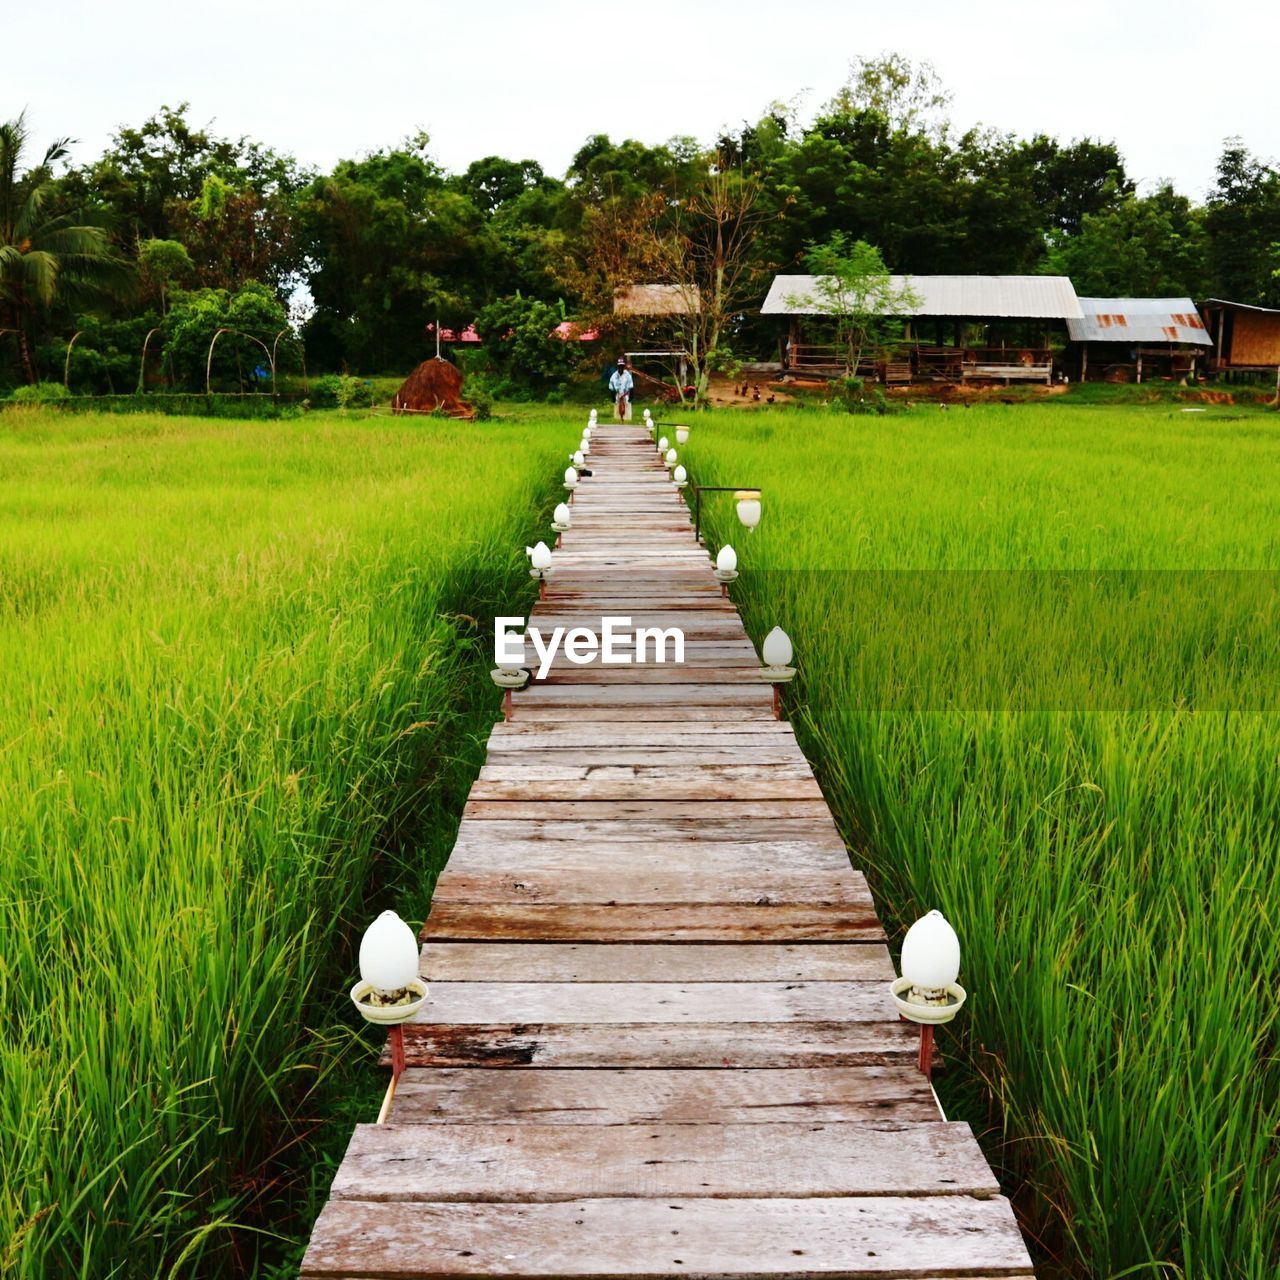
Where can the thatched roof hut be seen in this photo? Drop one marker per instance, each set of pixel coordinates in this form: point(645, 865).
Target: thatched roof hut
point(656, 300)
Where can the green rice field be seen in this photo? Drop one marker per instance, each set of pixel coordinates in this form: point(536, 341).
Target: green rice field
point(1038, 663)
point(245, 691)
point(245, 682)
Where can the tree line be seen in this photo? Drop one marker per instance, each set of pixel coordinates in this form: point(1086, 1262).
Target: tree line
point(174, 233)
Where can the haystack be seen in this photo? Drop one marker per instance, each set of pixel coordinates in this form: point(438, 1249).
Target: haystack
point(434, 384)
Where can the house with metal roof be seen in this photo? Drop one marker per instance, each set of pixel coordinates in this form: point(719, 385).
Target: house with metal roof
point(958, 327)
point(1127, 339)
point(1246, 337)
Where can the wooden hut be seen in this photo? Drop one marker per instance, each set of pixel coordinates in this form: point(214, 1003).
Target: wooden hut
point(961, 328)
point(1127, 339)
point(1246, 338)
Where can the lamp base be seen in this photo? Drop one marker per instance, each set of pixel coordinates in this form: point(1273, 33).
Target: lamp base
point(933, 1015)
point(392, 1014)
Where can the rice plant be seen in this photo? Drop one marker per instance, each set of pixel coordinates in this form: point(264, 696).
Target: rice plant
point(1038, 662)
point(244, 690)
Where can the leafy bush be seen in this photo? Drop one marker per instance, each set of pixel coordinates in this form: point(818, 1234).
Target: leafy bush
point(481, 401)
point(517, 335)
point(340, 391)
point(852, 396)
point(41, 393)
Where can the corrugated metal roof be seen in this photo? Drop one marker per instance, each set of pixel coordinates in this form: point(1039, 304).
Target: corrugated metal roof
point(656, 300)
point(1017, 297)
point(1241, 306)
point(1139, 320)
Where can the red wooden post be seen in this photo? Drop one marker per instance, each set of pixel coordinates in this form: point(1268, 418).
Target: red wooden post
point(777, 702)
point(506, 704)
point(396, 1039)
point(926, 1050)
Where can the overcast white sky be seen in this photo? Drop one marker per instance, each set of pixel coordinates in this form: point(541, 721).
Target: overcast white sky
point(326, 80)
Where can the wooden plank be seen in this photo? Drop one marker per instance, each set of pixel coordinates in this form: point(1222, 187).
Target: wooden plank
point(655, 962)
point(730, 811)
point(655, 1045)
point(468, 1095)
point(622, 885)
point(645, 782)
point(653, 922)
point(852, 1238)
point(740, 830)
point(809, 865)
point(541, 1163)
point(471, 1003)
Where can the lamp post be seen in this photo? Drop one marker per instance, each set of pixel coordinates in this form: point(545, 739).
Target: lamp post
point(679, 477)
point(726, 568)
point(508, 679)
point(927, 993)
point(670, 458)
point(570, 481)
point(777, 653)
point(663, 445)
point(389, 992)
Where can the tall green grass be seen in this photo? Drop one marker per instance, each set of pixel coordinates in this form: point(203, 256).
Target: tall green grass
point(1038, 666)
point(244, 688)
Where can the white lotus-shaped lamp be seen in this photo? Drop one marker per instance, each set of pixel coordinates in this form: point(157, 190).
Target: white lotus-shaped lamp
point(927, 991)
point(748, 505)
point(648, 417)
point(570, 478)
point(585, 446)
point(663, 445)
point(562, 517)
point(578, 460)
point(726, 567)
point(389, 990)
point(540, 557)
point(682, 434)
point(680, 476)
point(777, 650)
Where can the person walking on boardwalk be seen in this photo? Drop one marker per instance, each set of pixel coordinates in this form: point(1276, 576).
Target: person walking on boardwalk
point(621, 383)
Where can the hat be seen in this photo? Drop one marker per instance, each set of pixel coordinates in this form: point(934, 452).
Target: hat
point(622, 360)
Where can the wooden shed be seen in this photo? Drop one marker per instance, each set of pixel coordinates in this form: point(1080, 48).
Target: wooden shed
point(1127, 339)
point(962, 328)
point(1246, 338)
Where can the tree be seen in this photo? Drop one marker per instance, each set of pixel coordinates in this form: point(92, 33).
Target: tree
point(1242, 219)
point(910, 97)
point(45, 256)
point(1144, 246)
point(253, 315)
point(853, 286)
point(710, 252)
point(392, 247)
point(518, 336)
point(163, 264)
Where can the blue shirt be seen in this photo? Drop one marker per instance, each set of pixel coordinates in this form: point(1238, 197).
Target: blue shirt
point(621, 382)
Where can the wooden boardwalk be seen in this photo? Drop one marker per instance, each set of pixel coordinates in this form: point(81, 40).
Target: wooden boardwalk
point(659, 1039)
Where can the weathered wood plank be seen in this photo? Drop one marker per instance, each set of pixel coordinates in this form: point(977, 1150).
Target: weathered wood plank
point(468, 1095)
point(472, 1003)
point(852, 1238)
point(655, 962)
point(541, 1163)
point(819, 831)
point(653, 922)
point(730, 811)
point(640, 782)
point(710, 1045)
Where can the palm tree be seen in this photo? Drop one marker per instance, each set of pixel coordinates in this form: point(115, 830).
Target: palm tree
point(45, 257)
